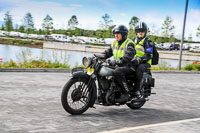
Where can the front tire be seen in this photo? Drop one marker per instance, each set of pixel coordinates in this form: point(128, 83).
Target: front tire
point(76, 97)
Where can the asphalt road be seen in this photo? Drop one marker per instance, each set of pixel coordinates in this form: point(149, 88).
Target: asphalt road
point(30, 103)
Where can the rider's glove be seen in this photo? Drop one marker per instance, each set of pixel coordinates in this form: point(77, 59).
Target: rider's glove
point(119, 62)
point(136, 61)
point(112, 62)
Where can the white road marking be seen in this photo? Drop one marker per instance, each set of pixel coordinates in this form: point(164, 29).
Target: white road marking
point(150, 125)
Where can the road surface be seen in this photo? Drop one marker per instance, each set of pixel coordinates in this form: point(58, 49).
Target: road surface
point(30, 103)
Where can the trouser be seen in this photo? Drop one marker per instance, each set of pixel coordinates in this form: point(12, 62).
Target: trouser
point(120, 74)
point(140, 69)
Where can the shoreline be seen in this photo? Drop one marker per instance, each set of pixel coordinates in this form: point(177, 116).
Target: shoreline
point(26, 45)
point(21, 42)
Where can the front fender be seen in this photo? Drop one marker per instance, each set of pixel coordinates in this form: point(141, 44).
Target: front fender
point(94, 87)
point(80, 75)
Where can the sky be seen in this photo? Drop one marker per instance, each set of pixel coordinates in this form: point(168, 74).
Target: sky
point(89, 13)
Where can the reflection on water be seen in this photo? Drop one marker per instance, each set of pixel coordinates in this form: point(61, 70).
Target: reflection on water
point(8, 52)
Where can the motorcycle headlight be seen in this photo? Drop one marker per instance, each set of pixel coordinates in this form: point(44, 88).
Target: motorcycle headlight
point(86, 62)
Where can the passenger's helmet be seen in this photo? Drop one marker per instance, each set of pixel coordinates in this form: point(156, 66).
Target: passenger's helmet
point(121, 29)
point(141, 27)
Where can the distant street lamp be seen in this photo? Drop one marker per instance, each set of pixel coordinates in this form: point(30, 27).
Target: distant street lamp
point(182, 40)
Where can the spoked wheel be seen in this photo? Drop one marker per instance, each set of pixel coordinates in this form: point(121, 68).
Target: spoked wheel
point(138, 103)
point(76, 96)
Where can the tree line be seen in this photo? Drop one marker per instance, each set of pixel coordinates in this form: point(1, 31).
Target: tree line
point(105, 28)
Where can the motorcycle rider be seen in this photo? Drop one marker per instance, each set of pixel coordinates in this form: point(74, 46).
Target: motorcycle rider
point(143, 57)
point(123, 51)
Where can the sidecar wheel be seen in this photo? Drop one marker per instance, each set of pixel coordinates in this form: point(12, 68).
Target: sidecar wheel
point(76, 96)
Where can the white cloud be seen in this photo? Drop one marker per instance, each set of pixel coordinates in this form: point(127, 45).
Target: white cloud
point(107, 3)
point(39, 10)
point(123, 14)
point(193, 20)
point(87, 22)
point(76, 5)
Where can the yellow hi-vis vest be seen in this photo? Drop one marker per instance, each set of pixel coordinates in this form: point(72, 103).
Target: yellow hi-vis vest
point(118, 52)
point(140, 51)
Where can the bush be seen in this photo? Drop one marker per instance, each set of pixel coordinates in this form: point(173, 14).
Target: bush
point(188, 67)
point(34, 64)
point(197, 67)
point(194, 67)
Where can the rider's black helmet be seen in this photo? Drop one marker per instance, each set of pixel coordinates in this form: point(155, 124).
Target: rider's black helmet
point(121, 29)
point(141, 27)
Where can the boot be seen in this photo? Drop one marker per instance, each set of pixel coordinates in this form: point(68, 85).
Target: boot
point(137, 93)
point(124, 95)
point(137, 90)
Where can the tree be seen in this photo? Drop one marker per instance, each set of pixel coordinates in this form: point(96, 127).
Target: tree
point(21, 29)
point(159, 40)
point(154, 30)
point(108, 33)
point(28, 22)
point(2, 27)
point(198, 32)
point(99, 33)
point(190, 37)
point(171, 38)
point(47, 24)
point(16, 27)
point(73, 22)
point(131, 33)
point(153, 38)
point(133, 22)
point(167, 26)
point(106, 22)
point(8, 21)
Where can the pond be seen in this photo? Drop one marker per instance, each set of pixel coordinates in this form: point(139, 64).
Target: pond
point(8, 52)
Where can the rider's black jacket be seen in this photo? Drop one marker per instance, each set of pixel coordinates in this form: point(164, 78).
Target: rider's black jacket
point(129, 53)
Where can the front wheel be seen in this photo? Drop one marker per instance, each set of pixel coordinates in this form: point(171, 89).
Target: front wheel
point(76, 96)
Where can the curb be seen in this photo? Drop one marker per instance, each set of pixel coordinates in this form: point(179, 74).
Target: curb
point(177, 72)
point(34, 70)
point(69, 70)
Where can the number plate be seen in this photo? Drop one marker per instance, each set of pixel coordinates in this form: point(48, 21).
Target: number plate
point(90, 71)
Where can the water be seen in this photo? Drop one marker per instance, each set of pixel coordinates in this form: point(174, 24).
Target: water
point(8, 52)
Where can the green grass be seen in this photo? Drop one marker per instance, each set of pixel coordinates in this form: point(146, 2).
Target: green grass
point(49, 64)
point(34, 64)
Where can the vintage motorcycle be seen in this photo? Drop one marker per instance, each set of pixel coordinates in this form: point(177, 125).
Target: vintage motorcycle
point(80, 92)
